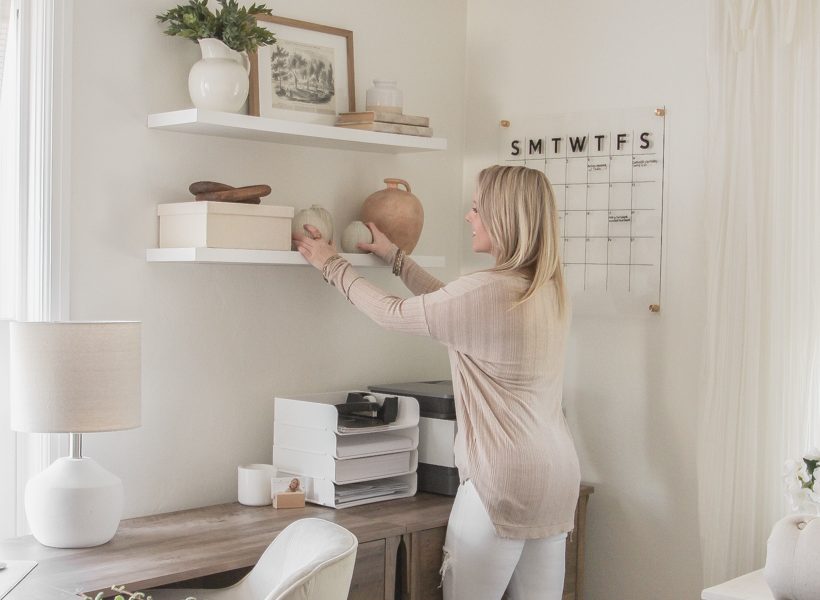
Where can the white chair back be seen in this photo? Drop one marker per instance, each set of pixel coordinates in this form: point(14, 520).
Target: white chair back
point(312, 559)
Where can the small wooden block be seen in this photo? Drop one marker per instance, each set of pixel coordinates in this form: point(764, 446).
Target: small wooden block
point(209, 198)
point(200, 187)
point(289, 500)
point(247, 193)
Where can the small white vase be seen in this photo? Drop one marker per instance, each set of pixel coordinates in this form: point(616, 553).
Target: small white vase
point(219, 81)
point(384, 96)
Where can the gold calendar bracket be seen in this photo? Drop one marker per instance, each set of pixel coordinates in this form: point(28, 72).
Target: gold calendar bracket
point(660, 112)
point(655, 308)
point(504, 123)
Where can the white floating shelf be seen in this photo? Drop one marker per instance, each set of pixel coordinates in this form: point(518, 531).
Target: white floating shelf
point(281, 131)
point(266, 257)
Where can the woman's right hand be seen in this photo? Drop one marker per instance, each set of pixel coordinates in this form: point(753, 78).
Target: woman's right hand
point(381, 245)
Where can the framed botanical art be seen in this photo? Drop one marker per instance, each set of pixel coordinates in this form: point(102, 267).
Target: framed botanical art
point(307, 75)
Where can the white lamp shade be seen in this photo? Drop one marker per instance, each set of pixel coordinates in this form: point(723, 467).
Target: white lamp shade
point(75, 377)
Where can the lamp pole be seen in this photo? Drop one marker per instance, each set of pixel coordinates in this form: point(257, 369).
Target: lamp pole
point(75, 445)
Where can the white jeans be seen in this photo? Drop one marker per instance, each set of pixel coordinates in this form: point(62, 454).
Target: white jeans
point(480, 565)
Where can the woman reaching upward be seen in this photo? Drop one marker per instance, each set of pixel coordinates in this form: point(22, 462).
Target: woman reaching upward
point(505, 329)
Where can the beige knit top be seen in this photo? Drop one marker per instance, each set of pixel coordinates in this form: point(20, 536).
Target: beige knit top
point(507, 367)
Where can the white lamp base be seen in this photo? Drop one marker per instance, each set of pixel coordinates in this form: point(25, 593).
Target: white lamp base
point(75, 503)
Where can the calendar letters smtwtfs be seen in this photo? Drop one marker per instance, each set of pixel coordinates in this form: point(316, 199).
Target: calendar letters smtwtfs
point(607, 174)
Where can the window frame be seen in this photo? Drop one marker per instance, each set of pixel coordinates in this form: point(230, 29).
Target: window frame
point(43, 99)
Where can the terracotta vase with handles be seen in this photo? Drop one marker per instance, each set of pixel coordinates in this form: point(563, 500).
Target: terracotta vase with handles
point(219, 81)
point(396, 212)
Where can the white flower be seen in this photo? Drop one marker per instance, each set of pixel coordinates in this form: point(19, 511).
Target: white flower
point(802, 485)
point(791, 467)
point(803, 473)
point(793, 485)
point(813, 454)
point(796, 475)
point(796, 500)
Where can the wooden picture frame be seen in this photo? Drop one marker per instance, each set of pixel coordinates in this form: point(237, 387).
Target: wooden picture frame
point(306, 76)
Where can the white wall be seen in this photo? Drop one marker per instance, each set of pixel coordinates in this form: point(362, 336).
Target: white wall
point(631, 383)
point(220, 341)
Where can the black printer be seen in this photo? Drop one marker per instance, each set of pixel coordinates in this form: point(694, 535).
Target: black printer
point(437, 470)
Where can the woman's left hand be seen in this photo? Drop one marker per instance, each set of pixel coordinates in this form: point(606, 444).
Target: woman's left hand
point(315, 250)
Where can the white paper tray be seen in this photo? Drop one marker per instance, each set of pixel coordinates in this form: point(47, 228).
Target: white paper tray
point(351, 470)
point(321, 441)
point(318, 411)
point(323, 491)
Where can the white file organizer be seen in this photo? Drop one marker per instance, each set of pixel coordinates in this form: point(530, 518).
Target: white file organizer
point(347, 470)
point(318, 411)
point(327, 442)
point(323, 491)
point(307, 442)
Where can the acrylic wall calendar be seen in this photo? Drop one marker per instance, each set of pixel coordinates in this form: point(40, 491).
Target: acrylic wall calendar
point(607, 172)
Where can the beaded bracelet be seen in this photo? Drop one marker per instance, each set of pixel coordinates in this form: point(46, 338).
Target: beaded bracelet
point(327, 266)
point(398, 262)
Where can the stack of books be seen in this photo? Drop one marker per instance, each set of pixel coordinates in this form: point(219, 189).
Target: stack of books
point(386, 122)
point(342, 466)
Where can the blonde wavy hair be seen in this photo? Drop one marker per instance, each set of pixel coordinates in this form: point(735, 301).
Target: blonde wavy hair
point(517, 208)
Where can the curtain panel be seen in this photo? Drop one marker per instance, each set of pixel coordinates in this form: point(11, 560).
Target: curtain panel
point(760, 402)
point(5, 9)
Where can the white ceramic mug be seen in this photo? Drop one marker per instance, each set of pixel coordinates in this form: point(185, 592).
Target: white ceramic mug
point(254, 484)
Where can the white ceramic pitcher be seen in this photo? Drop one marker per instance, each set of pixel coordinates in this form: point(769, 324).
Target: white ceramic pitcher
point(219, 81)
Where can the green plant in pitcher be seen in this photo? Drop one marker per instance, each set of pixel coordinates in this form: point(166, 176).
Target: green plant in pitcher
point(233, 24)
point(124, 595)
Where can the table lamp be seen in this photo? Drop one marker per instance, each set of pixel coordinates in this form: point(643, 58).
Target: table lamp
point(74, 378)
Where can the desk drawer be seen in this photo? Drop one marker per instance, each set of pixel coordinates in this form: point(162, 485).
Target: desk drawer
point(425, 553)
point(368, 572)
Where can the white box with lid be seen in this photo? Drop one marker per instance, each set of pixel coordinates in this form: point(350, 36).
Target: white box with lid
point(224, 225)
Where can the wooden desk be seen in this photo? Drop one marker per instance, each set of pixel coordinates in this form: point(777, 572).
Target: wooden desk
point(399, 549)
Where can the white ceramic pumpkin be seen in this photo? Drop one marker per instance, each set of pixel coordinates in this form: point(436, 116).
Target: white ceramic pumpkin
point(318, 217)
point(353, 234)
point(792, 558)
